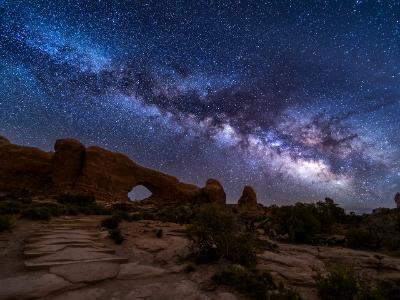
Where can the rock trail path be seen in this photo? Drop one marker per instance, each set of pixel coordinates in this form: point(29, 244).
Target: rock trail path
point(66, 253)
point(68, 258)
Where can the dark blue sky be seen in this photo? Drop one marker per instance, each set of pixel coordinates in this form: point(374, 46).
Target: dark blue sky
point(300, 99)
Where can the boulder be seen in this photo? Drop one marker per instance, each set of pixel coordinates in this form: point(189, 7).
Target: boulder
point(248, 200)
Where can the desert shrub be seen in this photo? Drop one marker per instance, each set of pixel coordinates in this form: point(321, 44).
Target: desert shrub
point(5, 223)
point(121, 206)
point(159, 233)
point(343, 284)
point(376, 231)
point(254, 283)
point(121, 215)
point(190, 267)
point(339, 284)
point(76, 199)
point(37, 212)
point(110, 223)
point(69, 210)
point(136, 216)
point(10, 207)
point(116, 235)
point(299, 221)
point(176, 214)
point(390, 288)
point(361, 238)
point(215, 233)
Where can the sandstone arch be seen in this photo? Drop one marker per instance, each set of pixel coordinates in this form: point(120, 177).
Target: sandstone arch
point(139, 193)
point(106, 175)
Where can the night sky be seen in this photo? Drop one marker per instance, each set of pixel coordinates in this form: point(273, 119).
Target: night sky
point(300, 99)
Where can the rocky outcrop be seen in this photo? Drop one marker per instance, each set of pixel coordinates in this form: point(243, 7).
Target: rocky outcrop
point(214, 192)
point(248, 200)
point(107, 175)
point(397, 200)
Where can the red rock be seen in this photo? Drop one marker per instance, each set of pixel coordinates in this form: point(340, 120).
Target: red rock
point(397, 199)
point(248, 200)
point(24, 168)
point(214, 192)
point(107, 175)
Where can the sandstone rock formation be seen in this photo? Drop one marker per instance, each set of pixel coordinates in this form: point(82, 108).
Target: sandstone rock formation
point(397, 199)
point(108, 176)
point(248, 200)
point(214, 192)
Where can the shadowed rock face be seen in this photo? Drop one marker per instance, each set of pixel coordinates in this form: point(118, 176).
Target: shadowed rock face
point(248, 200)
point(397, 200)
point(107, 175)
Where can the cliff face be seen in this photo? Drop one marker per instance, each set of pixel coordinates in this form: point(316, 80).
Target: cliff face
point(109, 176)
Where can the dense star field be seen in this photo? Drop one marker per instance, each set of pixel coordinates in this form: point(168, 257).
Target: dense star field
point(300, 99)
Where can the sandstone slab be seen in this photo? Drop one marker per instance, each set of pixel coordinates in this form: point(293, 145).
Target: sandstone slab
point(32, 286)
point(86, 272)
point(136, 271)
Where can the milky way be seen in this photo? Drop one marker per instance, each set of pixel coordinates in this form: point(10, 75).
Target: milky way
point(300, 99)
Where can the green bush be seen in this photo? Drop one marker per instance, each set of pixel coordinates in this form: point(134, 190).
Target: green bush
point(110, 223)
point(10, 207)
point(116, 235)
point(343, 284)
point(76, 199)
point(121, 215)
point(159, 233)
point(190, 267)
point(254, 283)
point(339, 284)
point(215, 233)
point(5, 223)
point(304, 220)
point(361, 238)
point(37, 212)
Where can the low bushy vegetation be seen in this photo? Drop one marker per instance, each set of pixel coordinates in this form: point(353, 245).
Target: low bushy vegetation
point(215, 233)
point(76, 199)
point(8, 207)
point(180, 214)
point(310, 222)
point(110, 223)
point(300, 222)
point(376, 231)
point(5, 223)
point(343, 284)
point(37, 212)
point(116, 235)
point(254, 283)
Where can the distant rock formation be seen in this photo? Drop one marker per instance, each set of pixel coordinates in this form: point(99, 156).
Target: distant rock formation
point(248, 200)
point(397, 200)
point(108, 176)
point(214, 192)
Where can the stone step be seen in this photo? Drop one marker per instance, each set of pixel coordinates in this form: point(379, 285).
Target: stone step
point(46, 265)
point(73, 226)
point(48, 232)
point(32, 254)
point(59, 247)
point(64, 236)
point(62, 242)
point(68, 254)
